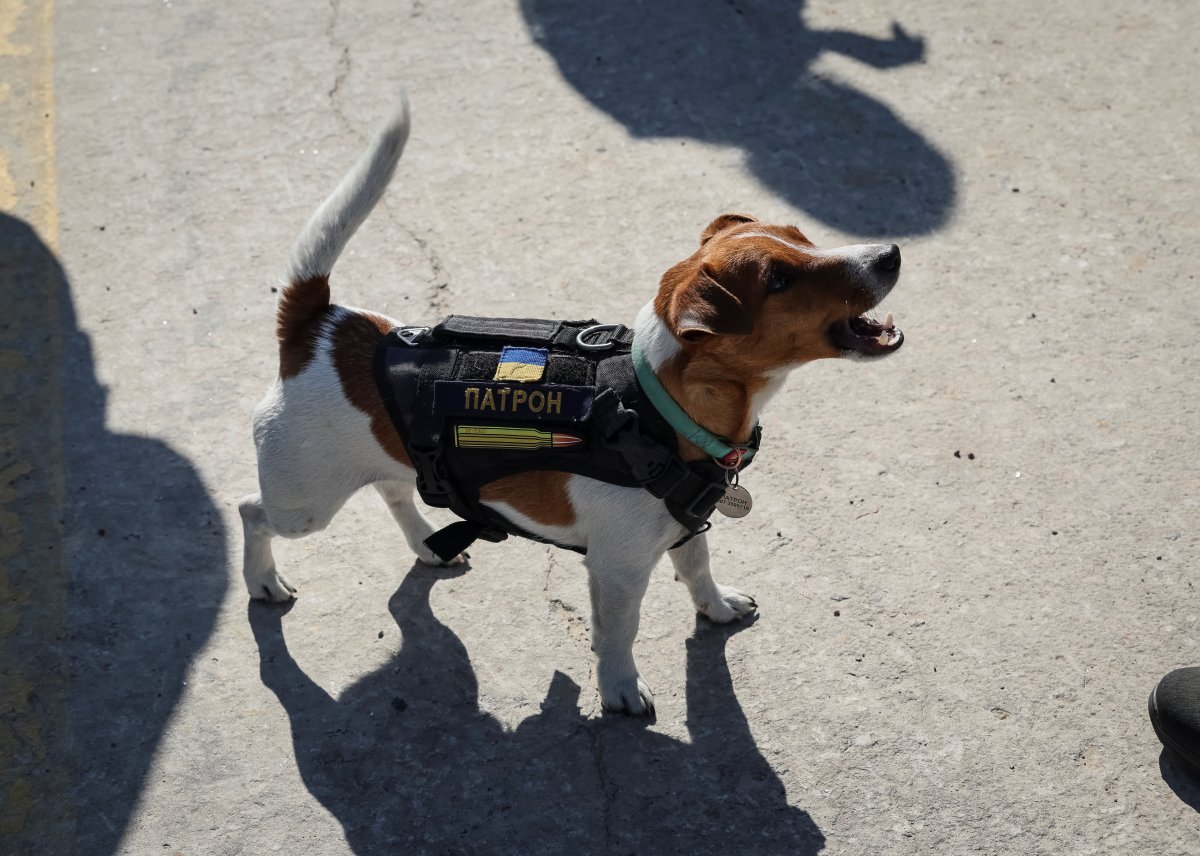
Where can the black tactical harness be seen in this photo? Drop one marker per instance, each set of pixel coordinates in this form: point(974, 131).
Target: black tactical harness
point(586, 414)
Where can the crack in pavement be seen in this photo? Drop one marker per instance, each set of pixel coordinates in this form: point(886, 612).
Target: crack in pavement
point(566, 616)
point(608, 784)
point(343, 68)
point(437, 293)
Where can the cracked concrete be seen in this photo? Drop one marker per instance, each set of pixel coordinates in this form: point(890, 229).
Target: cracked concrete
point(343, 69)
point(608, 788)
point(437, 296)
point(569, 617)
point(972, 561)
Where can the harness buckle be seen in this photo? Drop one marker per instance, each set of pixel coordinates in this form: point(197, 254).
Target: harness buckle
point(432, 478)
point(581, 338)
point(411, 336)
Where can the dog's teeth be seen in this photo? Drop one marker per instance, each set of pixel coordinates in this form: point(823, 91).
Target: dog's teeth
point(883, 339)
point(887, 322)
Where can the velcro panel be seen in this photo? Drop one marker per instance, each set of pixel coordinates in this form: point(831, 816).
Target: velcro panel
point(573, 371)
point(507, 330)
point(478, 365)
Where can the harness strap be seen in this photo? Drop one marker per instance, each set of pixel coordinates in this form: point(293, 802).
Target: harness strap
point(454, 539)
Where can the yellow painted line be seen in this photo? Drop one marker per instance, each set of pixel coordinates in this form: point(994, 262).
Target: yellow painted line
point(45, 89)
point(8, 193)
point(35, 814)
point(10, 17)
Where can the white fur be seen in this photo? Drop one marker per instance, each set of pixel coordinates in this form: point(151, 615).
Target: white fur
point(653, 338)
point(315, 449)
point(325, 236)
point(775, 381)
point(568, 536)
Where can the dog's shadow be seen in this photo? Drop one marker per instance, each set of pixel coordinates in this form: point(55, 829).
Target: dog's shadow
point(740, 73)
point(408, 763)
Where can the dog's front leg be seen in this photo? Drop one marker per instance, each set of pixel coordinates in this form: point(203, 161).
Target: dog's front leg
point(617, 584)
point(721, 604)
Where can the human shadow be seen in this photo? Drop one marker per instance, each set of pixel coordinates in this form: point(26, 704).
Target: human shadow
point(408, 763)
point(739, 73)
point(129, 593)
point(1183, 782)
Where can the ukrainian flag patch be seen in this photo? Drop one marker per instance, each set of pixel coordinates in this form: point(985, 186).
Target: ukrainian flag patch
point(525, 365)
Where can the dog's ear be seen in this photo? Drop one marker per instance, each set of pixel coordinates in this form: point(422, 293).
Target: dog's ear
point(724, 222)
point(700, 306)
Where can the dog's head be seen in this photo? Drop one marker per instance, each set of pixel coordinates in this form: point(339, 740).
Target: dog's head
point(763, 298)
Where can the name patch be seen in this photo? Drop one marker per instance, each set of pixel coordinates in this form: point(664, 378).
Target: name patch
point(546, 402)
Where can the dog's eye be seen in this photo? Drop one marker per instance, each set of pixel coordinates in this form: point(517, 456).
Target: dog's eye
point(779, 280)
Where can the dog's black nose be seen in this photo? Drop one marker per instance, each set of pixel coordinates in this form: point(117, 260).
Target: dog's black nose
point(889, 260)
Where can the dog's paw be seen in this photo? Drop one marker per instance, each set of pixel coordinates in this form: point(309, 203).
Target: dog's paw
point(729, 606)
point(630, 696)
point(271, 587)
point(427, 557)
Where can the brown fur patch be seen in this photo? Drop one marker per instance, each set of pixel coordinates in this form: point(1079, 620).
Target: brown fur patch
point(302, 306)
point(725, 221)
point(724, 288)
point(354, 341)
point(540, 496)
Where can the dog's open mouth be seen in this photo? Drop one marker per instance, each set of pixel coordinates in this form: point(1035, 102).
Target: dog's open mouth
point(866, 337)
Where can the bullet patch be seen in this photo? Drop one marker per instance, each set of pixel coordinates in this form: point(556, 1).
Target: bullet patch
point(511, 437)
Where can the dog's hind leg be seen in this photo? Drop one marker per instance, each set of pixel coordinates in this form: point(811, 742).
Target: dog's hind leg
point(258, 569)
point(310, 506)
point(398, 495)
point(719, 603)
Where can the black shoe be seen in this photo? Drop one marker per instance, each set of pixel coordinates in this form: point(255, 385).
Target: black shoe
point(1175, 715)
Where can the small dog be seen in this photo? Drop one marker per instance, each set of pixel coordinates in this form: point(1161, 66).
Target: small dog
point(726, 326)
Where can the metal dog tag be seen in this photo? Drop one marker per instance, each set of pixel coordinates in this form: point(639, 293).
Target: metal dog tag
point(736, 502)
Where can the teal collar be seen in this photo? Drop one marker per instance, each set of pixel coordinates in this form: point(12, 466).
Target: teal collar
point(723, 452)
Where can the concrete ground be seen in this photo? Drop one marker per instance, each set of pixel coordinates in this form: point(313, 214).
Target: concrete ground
point(973, 561)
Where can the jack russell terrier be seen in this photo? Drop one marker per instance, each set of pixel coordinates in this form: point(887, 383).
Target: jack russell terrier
point(728, 323)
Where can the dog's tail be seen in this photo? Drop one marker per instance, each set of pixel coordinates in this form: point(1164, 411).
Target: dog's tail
point(305, 294)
